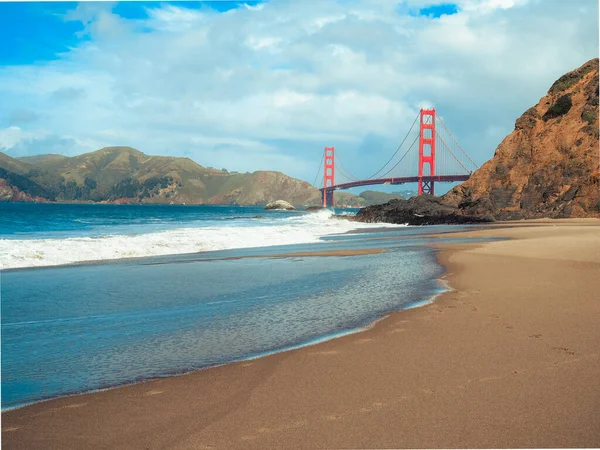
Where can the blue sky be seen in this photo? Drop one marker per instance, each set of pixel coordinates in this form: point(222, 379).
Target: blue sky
point(39, 31)
point(440, 10)
point(267, 85)
point(33, 32)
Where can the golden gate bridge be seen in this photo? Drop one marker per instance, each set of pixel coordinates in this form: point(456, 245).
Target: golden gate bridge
point(430, 151)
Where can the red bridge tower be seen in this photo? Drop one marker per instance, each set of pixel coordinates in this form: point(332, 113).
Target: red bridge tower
point(328, 181)
point(427, 150)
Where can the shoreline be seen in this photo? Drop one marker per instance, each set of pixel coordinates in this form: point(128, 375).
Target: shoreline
point(378, 396)
point(312, 342)
point(140, 259)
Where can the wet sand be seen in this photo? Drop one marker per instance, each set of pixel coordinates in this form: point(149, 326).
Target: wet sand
point(356, 252)
point(510, 358)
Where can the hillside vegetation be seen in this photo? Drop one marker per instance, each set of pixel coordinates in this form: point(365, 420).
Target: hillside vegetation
point(126, 175)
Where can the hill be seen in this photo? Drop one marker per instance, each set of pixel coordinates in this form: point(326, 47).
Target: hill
point(548, 166)
point(376, 198)
point(126, 175)
point(365, 198)
point(40, 159)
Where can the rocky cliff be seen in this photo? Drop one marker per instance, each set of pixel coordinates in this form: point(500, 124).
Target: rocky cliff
point(548, 166)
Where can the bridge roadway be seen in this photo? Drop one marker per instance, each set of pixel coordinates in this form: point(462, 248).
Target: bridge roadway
point(398, 180)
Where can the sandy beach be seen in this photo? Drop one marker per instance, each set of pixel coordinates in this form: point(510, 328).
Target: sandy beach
point(509, 358)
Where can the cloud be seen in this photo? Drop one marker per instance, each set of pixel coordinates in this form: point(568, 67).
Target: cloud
point(21, 116)
point(269, 85)
point(10, 137)
point(18, 142)
point(68, 93)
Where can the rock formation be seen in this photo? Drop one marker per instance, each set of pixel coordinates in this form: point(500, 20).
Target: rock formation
point(548, 166)
point(280, 204)
point(421, 210)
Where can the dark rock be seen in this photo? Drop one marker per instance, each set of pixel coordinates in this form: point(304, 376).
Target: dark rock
point(314, 208)
point(421, 210)
point(570, 194)
point(589, 113)
point(502, 196)
point(591, 90)
point(481, 207)
point(590, 130)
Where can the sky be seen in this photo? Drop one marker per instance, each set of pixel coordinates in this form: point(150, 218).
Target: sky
point(266, 85)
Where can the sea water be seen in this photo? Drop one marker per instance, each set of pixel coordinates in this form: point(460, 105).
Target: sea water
point(50, 234)
point(202, 289)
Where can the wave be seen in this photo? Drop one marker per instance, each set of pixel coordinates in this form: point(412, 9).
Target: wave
point(302, 229)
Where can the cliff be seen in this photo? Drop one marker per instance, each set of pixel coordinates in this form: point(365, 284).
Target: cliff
point(548, 166)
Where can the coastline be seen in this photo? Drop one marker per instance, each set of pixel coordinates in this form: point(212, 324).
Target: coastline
point(332, 335)
point(458, 377)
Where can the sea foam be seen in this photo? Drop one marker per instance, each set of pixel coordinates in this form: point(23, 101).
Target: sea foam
point(245, 233)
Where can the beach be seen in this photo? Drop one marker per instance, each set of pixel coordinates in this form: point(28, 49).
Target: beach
point(510, 357)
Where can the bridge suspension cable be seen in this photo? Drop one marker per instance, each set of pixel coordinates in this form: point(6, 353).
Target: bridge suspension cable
point(375, 175)
point(450, 151)
point(342, 168)
point(401, 159)
point(456, 142)
point(318, 172)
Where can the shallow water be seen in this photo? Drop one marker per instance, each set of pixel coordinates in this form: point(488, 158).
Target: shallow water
point(71, 329)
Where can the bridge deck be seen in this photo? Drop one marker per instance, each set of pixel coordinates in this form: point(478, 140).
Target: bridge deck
point(399, 180)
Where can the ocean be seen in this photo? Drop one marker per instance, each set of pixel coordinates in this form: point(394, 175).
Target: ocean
point(96, 296)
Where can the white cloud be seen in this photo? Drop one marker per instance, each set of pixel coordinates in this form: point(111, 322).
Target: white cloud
point(270, 86)
point(487, 6)
point(258, 7)
point(259, 43)
point(173, 18)
point(18, 142)
point(10, 137)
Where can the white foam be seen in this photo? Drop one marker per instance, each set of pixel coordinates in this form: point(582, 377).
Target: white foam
point(302, 229)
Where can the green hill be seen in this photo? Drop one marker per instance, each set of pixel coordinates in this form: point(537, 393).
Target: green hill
point(40, 159)
point(365, 198)
point(377, 198)
point(126, 175)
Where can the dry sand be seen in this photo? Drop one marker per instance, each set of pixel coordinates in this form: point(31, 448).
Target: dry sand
point(510, 358)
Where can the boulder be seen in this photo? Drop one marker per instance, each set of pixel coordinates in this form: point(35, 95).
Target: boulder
point(280, 204)
point(315, 208)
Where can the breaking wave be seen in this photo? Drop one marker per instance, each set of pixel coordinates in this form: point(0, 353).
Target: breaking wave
point(245, 233)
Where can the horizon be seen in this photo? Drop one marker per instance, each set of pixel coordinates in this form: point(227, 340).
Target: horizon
point(282, 80)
